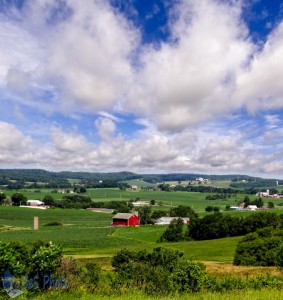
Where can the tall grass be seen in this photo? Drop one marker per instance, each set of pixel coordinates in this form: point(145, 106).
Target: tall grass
point(262, 294)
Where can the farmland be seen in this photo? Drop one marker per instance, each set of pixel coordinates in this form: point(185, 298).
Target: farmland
point(87, 235)
point(194, 199)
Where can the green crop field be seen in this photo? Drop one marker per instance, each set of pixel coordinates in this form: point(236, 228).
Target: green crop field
point(87, 236)
point(88, 233)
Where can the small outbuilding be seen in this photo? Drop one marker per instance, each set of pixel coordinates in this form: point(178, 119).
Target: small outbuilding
point(124, 219)
point(167, 220)
point(35, 203)
point(251, 207)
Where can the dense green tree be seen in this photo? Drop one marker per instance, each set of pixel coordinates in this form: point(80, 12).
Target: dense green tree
point(189, 276)
point(156, 214)
point(123, 186)
point(174, 232)
point(218, 225)
point(247, 201)
point(145, 215)
point(19, 199)
point(258, 202)
point(209, 208)
point(48, 200)
point(260, 248)
point(183, 211)
point(2, 197)
point(270, 205)
point(13, 257)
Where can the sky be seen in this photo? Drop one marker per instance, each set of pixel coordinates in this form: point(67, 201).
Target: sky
point(147, 86)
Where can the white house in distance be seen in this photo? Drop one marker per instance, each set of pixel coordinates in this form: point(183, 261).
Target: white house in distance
point(141, 203)
point(167, 220)
point(251, 207)
point(35, 203)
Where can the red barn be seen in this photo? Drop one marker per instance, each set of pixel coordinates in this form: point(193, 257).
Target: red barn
point(123, 219)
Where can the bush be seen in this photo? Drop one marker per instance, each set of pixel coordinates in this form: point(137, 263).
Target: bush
point(150, 272)
point(261, 248)
point(91, 275)
point(54, 223)
point(13, 257)
point(174, 232)
point(189, 276)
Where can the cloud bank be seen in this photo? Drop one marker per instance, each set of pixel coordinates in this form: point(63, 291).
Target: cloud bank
point(208, 99)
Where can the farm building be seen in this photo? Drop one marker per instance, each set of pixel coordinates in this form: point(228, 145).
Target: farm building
point(167, 220)
point(251, 207)
point(141, 203)
point(35, 203)
point(123, 219)
point(235, 208)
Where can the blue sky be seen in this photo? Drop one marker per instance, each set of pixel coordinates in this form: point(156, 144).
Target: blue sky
point(144, 86)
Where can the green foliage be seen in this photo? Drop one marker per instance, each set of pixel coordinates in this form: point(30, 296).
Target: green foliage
point(19, 199)
point(260, 248)
point(212, 208)
point(189, 277)
point(2, 197)
point(156, 214)
point(174, 232)
point(91, 275)
point(216, 197)
point(150, 272)
point(54, 223)
point(258, 202)
point(75, 201)
point(183, 211)
point(145, 215)
point(214, 226)
point(13, 257)
point(48, 200)
point(247, 201)
point(270, 205)
point(219, 225)
point(45, 258)
point(209, 208)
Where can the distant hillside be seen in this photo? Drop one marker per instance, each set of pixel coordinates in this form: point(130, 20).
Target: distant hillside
point(61, 179)
point(140, 183)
